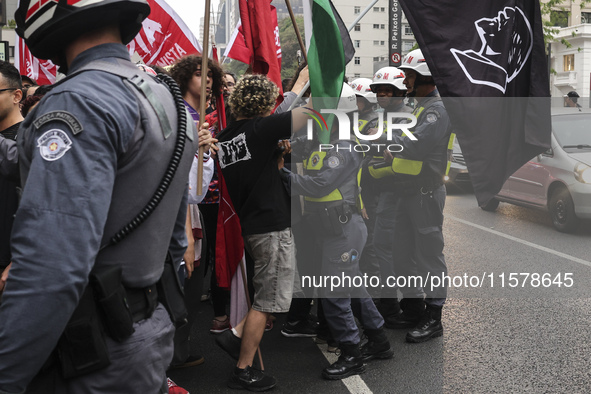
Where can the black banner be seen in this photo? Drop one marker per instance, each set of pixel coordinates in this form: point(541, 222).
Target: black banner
point(494, 51)
point(395, 40)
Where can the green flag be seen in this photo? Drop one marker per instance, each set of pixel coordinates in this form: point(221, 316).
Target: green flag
point(330, 49)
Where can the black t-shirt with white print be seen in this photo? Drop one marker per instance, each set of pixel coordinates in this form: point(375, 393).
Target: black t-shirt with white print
point(248, 158)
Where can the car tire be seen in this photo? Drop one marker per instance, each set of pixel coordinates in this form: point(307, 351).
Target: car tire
point(491, 205)
point(562, 211)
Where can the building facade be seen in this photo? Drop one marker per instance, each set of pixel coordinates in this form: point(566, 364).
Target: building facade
point(370, 36)
point(570, 50)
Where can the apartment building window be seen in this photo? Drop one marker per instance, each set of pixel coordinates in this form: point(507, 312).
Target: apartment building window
point(376, 59)
point(382, 42)
point(357, 43)
point(382, 26)
point(356, 75)
point(382, 9)
point(376, 42)
point(376, 25)
point(585, 17)
point(559, 18)
point(357, 60)
point(407, 46)
point(357, 27)
point(376, 9)
point(407, 30)
point(357, 10)
point(569, 62)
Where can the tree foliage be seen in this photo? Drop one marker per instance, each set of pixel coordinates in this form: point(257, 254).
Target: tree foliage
point(555, 14)
point(289, 45)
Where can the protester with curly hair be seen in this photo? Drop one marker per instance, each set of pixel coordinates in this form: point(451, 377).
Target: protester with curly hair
point(247, 156)
point(187, 72)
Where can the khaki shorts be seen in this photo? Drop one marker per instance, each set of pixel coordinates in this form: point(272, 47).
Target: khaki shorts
point(274, 265)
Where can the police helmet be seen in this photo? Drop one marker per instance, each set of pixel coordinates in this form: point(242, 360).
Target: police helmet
point(388, 76)
point(49, 26)
point(415, 60)
point(361, 88)
point(348, 99)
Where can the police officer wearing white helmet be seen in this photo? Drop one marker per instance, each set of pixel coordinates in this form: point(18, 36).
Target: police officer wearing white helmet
point(378, 179)
point(418, 201)
point(81, 312)
point(389, 89)
point(366, 100)
point(330, 190)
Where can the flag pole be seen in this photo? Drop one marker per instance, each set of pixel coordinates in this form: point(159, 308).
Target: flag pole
point(361, 15)
point(297, 31)
point(203, 98)
point(365, 11)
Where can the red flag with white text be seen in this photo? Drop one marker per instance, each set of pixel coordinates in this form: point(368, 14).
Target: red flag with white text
point(42, 71)
point(164, 37)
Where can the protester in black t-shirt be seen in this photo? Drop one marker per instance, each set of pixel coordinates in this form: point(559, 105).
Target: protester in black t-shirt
point(248, 159)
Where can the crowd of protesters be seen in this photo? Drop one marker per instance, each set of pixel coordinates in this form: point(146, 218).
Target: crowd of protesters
point(254, 154)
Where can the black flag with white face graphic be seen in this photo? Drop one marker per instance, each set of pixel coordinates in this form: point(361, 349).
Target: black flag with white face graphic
point(489, 63)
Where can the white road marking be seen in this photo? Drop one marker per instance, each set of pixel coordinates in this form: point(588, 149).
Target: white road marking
point(354, 383)
point(521, 241)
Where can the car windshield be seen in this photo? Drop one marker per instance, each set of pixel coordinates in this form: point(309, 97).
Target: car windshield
point(573, 131)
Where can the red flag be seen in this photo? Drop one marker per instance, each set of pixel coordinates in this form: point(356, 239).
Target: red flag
point(221, 109)
point(261, 34)
point(229, 247)
point(164, 36)
point(237, 48)
point(42, 71)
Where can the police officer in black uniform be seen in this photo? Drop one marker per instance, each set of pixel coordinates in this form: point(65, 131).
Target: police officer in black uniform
point(330, 190)
point(92, 154)
point(418, 202)
point(378, 177)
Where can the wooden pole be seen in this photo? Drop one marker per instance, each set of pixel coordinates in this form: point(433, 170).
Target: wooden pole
point(203, 98)
point(297, 31)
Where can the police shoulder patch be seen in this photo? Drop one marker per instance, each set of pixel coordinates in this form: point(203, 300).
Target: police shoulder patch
point(335, 160)
point(60, 116)
point(432, 117)
point(54, 144)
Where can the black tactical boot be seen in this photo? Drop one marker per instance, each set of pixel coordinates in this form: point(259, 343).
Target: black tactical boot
point(412, 310)
point(377, 345)
point(388, 307)
point(349, 363)
point(429, 326)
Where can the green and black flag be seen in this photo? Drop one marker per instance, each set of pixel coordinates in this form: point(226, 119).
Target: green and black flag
point(488, 61)
point(329, 50)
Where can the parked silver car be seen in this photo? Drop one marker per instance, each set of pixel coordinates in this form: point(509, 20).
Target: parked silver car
point(558, 180)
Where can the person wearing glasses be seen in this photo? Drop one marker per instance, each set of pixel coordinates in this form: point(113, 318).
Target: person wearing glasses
point(10, 119)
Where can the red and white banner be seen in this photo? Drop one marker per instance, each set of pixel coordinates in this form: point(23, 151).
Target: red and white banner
point(41, 71)
point(164, 37)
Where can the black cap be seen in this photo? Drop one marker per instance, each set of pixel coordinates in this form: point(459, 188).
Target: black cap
point(572, 93)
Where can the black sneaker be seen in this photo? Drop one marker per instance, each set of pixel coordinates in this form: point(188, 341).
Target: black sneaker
point(299, 329)
point(230, 343)
point(251, 379)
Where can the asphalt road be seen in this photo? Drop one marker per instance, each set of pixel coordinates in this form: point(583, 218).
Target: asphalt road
point(533, 337)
